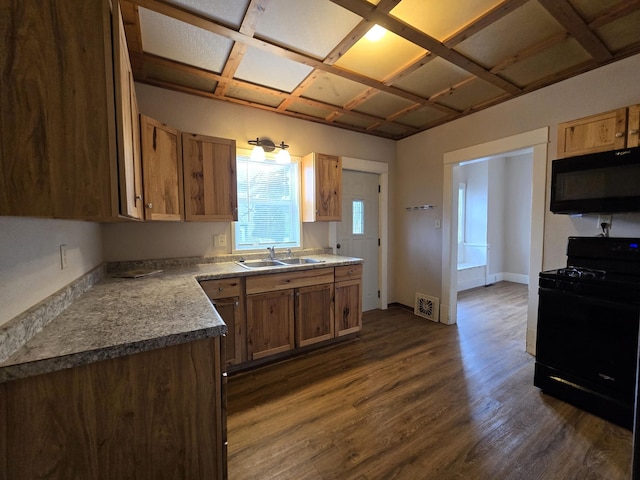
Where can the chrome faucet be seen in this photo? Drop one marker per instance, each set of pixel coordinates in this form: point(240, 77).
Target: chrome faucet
point(272, 252)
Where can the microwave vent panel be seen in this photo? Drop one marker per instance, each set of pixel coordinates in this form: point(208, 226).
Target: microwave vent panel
point(427, 307)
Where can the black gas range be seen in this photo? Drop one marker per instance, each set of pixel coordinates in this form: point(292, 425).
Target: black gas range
point(587, 336)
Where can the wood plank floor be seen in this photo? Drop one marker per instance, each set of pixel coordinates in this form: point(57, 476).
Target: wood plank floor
point(419, 400)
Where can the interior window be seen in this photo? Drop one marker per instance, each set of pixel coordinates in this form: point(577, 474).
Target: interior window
point(268, 204)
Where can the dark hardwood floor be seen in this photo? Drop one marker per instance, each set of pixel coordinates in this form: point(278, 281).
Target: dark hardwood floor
point(414, 399)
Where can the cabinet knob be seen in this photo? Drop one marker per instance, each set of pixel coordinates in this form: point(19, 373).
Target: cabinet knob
point(220, 289)
point(149, 205)
point(633, 132)
point(138, 197)
point(619, 134)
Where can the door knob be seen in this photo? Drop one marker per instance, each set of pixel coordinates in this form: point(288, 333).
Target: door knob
point(338, 246)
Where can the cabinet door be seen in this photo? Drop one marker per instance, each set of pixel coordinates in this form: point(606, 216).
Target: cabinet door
point(314, 314)
point(57, 141)
point(128, 125)
point(269, 323)
point(348, 307)
point(162, 167)
point(634, 126)
point(322, 188)
point(231, 311)
point(596, 133)
point(210, 178)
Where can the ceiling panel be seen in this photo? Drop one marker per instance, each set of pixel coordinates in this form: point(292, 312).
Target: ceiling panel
point(422, 117)
point(169, 38)
point(621, 33)
point(229, 13)
point(319, 25)
point(306, 109)
point(553, 60)
point(169, 75)
point(383, 105)
point(441, 19)
point(435, 76)
point(334, 90)
point(264, 68)
point(472, 94)
point(353, 120)
point(252, 95)
point(380, 59)
point(390, 130)
point(590, 9)
point(526, 26)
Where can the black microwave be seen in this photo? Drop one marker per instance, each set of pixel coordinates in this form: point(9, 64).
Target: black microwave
point(603, 182)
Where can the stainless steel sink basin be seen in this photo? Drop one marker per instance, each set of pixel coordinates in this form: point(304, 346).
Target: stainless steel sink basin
point(259, 263)
point(281, 262)
point(298, 261)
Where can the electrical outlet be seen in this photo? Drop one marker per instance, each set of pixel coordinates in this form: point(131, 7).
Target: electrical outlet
point(64, 260)
point(220, 240)
point(437, 223)
point(604, 219)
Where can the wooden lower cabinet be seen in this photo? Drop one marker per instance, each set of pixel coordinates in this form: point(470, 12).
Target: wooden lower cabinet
point(270, 323)
point(150, 415)
point(227, 296)
point(348, 299)
point(314, 314)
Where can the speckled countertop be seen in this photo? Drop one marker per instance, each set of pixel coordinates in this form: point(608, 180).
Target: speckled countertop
point(121, 316)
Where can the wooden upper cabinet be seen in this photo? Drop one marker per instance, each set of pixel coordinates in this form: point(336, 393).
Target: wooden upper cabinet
point(634, 126)
point(162, 168)
point(596, 133)
point(58, 143)
point(321, 188)
point(210, 179)
point(127, 124)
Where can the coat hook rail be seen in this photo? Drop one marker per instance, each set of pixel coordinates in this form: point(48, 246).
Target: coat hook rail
point(420, 207)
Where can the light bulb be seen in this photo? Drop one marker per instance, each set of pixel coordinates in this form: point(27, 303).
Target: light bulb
point(375, 33)
point(283, 157)
point(257, 154)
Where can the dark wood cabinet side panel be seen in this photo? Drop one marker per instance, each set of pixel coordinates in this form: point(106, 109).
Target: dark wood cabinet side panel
point(146, 416)
point(56, 120)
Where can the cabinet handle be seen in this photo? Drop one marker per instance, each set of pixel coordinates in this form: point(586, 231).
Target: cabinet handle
point(138, 197)
point(149, 205)
point(619, 134)
point(633, 132)
point(220, 289)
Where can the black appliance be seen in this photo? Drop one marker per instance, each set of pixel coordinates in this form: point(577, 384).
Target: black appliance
point(604, 182)
point(587, 337)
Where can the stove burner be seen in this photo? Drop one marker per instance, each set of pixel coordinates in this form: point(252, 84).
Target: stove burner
point(582, 272)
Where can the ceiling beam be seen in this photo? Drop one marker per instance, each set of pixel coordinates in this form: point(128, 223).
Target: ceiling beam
point(367, 11)
point(617, 11)
point(567, 16)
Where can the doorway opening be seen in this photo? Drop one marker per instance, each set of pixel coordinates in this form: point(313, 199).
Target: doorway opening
point(536, 141)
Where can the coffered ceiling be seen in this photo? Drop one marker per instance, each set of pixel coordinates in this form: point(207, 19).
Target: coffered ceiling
point(436, 61)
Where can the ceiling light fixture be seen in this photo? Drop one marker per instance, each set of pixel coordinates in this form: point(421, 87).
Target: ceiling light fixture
point(260, 146)
point(375, 33)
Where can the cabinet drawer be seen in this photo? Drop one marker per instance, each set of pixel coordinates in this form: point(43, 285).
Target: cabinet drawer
point(282, 281)
point(223, 288)
point(348, 272)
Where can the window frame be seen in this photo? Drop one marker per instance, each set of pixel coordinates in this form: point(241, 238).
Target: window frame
point(271, 158)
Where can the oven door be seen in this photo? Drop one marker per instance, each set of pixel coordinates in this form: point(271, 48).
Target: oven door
point(591, 341)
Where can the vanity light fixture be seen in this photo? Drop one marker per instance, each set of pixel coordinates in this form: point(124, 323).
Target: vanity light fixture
point(260, 146)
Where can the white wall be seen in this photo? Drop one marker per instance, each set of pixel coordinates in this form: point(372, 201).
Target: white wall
point(496, 224)
point(517, 214)
point(188, 113)
point(30, 259)
point(418, 173)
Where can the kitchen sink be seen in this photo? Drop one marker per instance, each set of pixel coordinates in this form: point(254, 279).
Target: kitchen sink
point(259, 263)
point(298, 261)
point(282, 262)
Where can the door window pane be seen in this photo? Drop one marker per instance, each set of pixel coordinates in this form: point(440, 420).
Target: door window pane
point(358, 217)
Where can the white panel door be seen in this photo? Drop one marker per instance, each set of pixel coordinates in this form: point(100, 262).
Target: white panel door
point(358, 232)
